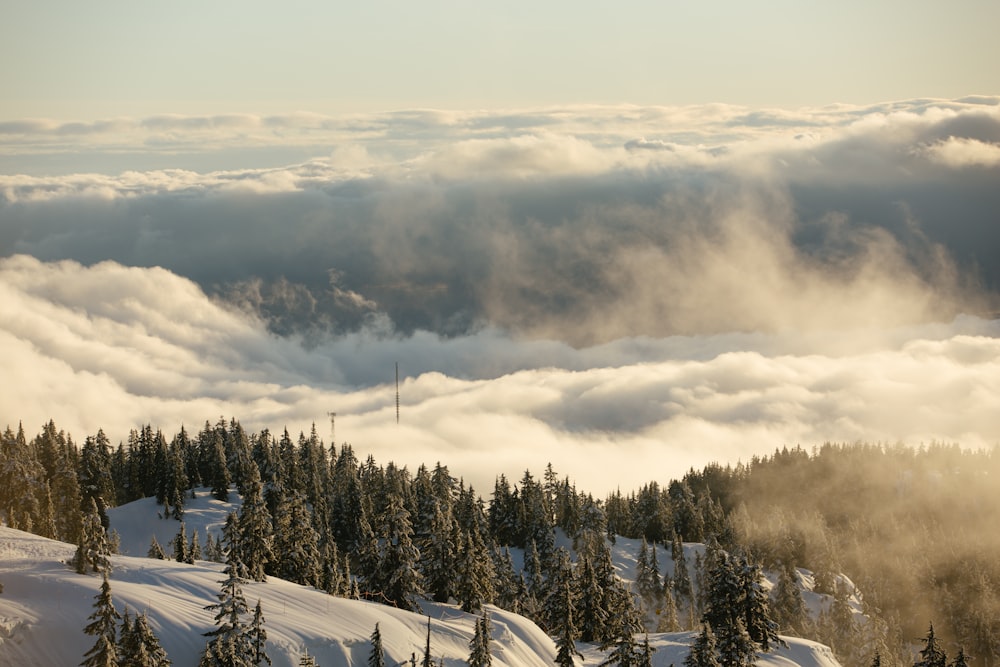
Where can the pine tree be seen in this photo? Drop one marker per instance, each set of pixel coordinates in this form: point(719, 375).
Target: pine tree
point(307, 660)
point(397, 563)
point(180, 544)
point(377, 656)
point(258, 638)
point(140, 647)
point(92, 550)
point(475, 574)
point(255, 527)
point(438, 553)
point(296, 548)
point(726, 608)
point(787, 603)
point(103, 625)
point(230, 644)
point(194, 549)
point(623, 654)
point(566, 639)
point(960, 660)
point(702, 653)
point(593, 615)
point(155, 550)
point(645, 654)
point(931, 655)
point(479, 646)
point(428, 661)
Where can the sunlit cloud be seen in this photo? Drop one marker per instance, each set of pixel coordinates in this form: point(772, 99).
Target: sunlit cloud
point(112, 347)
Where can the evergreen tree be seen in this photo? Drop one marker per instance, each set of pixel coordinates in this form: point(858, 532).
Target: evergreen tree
point(438, 554)
point(296, 548)
point(567, 633)
point(194, 549)
point(155, 550)
point(307, 660)
point(931, 655)
point(258, 638)
point(702, 653)
point(376, 658)
point(645, 656)
point(725, 610)
point(230, 643)
point(103, 625)
point(428, 661)
point(787, 603)
point(140, 647)
point(479, 646)
point(92, 550)
point(960, 660)
point(593, 615)
point(397, 570)
point(624, 653)
point(256, 534)
point(475, 573)
point(180, 545)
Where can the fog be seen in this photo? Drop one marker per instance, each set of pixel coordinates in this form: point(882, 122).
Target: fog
point(625, 292)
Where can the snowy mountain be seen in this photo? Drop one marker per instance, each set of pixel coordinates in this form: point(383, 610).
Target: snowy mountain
point(45, 604)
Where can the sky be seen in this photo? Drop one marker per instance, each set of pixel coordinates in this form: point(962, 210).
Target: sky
point(625, 240)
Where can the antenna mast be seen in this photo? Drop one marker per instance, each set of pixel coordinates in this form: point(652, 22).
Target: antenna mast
point(397, 392)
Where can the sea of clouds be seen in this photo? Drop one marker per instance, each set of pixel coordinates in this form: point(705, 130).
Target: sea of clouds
point(625, 292)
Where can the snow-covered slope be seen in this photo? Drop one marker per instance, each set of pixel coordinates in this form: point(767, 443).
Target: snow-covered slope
point(44, 607)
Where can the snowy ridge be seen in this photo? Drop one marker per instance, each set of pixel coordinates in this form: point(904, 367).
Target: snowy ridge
point(44, 607)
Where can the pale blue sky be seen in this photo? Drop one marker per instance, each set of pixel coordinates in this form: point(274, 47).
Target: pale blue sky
point(76, 60)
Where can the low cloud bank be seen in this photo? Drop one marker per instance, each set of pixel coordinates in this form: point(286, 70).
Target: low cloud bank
point(113, 347)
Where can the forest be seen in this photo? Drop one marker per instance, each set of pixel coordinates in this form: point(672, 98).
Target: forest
point(905, 530)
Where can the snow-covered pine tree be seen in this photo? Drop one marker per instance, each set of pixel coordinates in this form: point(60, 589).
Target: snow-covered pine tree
point(140, 647)
point(103, 625)
point(566, 627)
point(479, 646)
point(475, 573)
point(229, 644)
point(438, 553)
point(725, 608)
point(92, 550)
point(258, 638)
point(755, 605)
point(296, 543)
point(398, 557)
point(376, 658)
point(702, 653)
point(593, 616)
point(180, 544)
point(667, 620)
point(787, 603)
point(194, 549)
point(560, 594)
point(155, 550)
point(931, 655)
point(623, 654)
point(645, 654)
point(960, 660)
point(306, 660)
point(255, 527)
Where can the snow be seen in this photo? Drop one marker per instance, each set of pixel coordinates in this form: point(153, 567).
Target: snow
point(45, 604)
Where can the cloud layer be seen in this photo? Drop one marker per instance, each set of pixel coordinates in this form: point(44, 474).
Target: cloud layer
point(590, 286)
point(113, 347)
point(558, 224)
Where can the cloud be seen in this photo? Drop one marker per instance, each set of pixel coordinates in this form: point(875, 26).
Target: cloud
point(113, 347)
point(678, 284)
